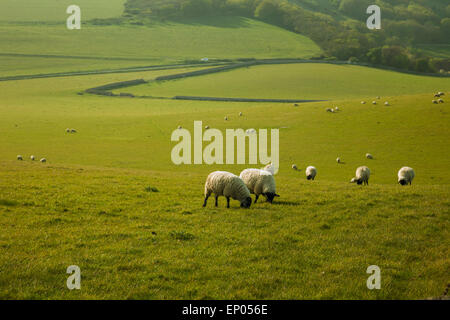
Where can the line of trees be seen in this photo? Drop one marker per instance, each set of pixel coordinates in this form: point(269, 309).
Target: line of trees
point(403, 25)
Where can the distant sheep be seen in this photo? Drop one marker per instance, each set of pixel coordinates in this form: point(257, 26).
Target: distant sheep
point(435, 101)
point(338, 160)
point(180, 127)
point(406, 176)
point(226, 184)
point(363, 102)
point(294, 166)
point(362, 176)
point(311, 173)
point(441, 94)
point(226, 118)
point(19, 157)
point(250, 131)
point(329, 110)
point(386, 103)
point(336, 109)
point(260, 182)
point(73, 131)
point(43, 160)
point(240, 114)
point(374, 102)
point(32, 158)
point(441, 101)
point(369, 156)
point(68, 130)
point(206, 127)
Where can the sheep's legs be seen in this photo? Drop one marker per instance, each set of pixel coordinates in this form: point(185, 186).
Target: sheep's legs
point(256, 198)
point(206, 200)
point(228, 202)
point(217, 201)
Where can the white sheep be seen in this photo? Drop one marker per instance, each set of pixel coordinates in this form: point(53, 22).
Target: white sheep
point(260, 182)
point(226, 118)
point(19, 157)
point(270, 168)
point(374, 102)
point(362, 176)
point(294, 166)
point(406, 175)
point(226, 184)
point(43, 160)
point(441, 101)
point(369, 156)
point(311, 173)
point(441, 94)
point(386, 103)
point(338, 160)
point(206, 127)
point(240, 114)
point(336, 109)
point(73, 131)
point(32, 158)
point(68, 130)
point(180, 127)
point(363, 102)
point(435, 101)
point(330, 110)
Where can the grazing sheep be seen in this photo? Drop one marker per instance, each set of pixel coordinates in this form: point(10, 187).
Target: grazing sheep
point(294, 166)
point(260, 182)
point(386, 103)
point(435, 101)
point(406, 176)
point(374, 102)
point(226, 184)
point(437, 95)
point(362, 176)
point(295, 104)
point(226, 118)
point(369, 156)
point(43, 160)
point(338, 160)
point(441, 93)
point(336, 109)
point(240, 114)
point(441, 101)
point(68, 130)
point(378, 97)
point(206, 127)
point(73, 131)
point(32, 158)
point(270, 168)
point(19, 157)
point(311, 173)
point(330, 110)
point(180, 127)
point(363, 102)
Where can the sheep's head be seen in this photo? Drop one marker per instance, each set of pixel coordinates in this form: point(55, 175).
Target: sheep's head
point(270, 196)
point(246, 203)
point(402, 182)
point(357, 181)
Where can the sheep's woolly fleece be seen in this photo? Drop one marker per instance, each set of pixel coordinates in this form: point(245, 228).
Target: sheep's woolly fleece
point(226, 184)
point(258, 181)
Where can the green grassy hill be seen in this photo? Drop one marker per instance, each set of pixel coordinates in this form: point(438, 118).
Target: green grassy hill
point(296, 81)
point(159, 43)
point(111, 201)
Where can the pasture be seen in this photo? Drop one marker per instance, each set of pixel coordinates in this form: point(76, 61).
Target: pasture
point(110, 200)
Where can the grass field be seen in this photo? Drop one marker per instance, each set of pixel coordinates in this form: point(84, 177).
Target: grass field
point(110, 200)
point(159, 43)
point(92, 205)
point(296, 81)
point(55, 10)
